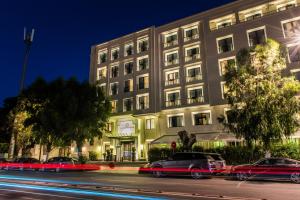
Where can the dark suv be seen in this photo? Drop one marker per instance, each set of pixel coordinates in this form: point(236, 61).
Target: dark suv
point(196, 164)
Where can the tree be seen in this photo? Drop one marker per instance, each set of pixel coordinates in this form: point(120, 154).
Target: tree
point(89, 112)
point(263, 106)
point(186, 140)
point(65, 111)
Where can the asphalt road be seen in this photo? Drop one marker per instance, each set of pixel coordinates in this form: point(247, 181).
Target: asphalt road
point(95, 185)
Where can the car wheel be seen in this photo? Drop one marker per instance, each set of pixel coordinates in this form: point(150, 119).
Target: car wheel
point(57, 170)
point(196, 173)
point(295, 177)
point(156, 173)
point(242, 176)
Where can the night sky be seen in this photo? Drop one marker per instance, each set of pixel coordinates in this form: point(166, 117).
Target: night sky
point(65, 31)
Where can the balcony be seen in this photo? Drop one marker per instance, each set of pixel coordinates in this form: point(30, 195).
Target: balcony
point(192, 100)
point(171, 82)
point(172, 103)
point(170, 43)
point(192, 37)
point(197, 77)
point(172, 62)
point(225, 48)
point(192, 57)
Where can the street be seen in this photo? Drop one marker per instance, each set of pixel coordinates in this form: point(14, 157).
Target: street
point(95, 185)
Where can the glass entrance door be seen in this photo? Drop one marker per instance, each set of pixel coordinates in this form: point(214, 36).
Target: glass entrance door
point(127, 150)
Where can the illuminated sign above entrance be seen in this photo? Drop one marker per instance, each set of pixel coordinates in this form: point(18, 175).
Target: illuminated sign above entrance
point(126, 128)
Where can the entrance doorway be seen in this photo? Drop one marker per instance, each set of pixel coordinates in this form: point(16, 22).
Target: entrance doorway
point(127, 150)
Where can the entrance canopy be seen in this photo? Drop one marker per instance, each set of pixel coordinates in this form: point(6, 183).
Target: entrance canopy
point(168, 139)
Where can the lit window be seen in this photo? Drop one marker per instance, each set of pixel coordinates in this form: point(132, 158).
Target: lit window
point(128, 85)
point(175, 121)
point(193, 73)
point(291, 28)
point(114, 106)
point(172, 77)
point(127, 104)
point(142, 102)
point(171, 58)
point(201, 118)
point(143, 63)
point(171, 39)
point(143, 45)
point(191, 33)
point(195, 95)
point(115, 54)
point(102, 56)
point(150, 124)
point(256, 36)
point(128, 50)
point(101, 73)
point(225, 63)
point(173, 98)
point(128, 68)
point(114, 71)
point(114, 88)
point(225, 44)
point(143, 82)
point(192, 53)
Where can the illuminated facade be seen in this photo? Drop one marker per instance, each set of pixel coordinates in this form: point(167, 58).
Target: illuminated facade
point(169, 78)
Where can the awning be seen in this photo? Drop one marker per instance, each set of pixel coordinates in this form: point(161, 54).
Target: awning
point(168, 139)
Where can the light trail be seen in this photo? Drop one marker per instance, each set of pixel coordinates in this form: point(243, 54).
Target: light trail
point(80, 191)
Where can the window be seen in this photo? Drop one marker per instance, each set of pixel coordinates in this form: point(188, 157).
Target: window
point(225, 63)
point(191, 33)
point(143, 82)
point(294, 53)
point(103, 87)
point(171, 58)
point(114, 106)
point(201, 118)
point(109, 127)
point(229, 115)
point(101, 73)
point(128, 50)
point(195, 95)
point(115, 54)
point(171, 39)
point(128, 85)
point(102, 56)
point(114, 88)
point(142, 102)
point(172, 77)
point(128, 68)
point(222, 22)
point(193, 73)
point(192, 53)
point(173, 98)
point(252, 16)
point(143, 63)
point(256, 36)
point(224, 89)
point(143, 45)
point(286, 5)
point(225, 44)
point(150, 124)
point(114, 71)
point(291, 28)
point(127, 104)
point(175, 121)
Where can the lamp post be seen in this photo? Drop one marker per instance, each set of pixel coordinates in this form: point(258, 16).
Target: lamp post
point(28, 39)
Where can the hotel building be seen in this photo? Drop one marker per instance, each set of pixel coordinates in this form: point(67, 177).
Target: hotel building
point(169, 78)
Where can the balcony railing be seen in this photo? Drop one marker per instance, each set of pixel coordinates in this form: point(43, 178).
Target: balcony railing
point(171, 43)
point(196, 100)
point(189, 38)
point(175, 102)
point(194, 78)
point(172, 62)
point(225, 48)
point(172, 82)
point(192, 57)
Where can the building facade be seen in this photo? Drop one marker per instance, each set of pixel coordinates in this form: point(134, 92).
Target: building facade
point(165, 79)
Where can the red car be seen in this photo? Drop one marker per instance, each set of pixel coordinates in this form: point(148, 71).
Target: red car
point(269, 169)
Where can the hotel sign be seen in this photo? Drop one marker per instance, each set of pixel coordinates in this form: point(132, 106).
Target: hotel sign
point(126, 128)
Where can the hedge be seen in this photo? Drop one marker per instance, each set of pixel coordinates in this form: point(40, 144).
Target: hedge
point(4, 147)
point(235, 154)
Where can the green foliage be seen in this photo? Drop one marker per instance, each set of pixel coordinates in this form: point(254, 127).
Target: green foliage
point(93, 156)
point(289, 150)
point(82, 159)
point(263, 105)
point(4, 147)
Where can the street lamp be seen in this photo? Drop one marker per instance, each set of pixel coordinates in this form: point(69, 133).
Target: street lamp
point(28, 39)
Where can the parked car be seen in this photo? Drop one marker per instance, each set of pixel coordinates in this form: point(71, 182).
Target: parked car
point(196, 164)
point(3, 161)
point(59, 163)
point(269, 169)
point(23, 163)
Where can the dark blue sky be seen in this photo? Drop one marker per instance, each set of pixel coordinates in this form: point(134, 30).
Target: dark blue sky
point(65, 31)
